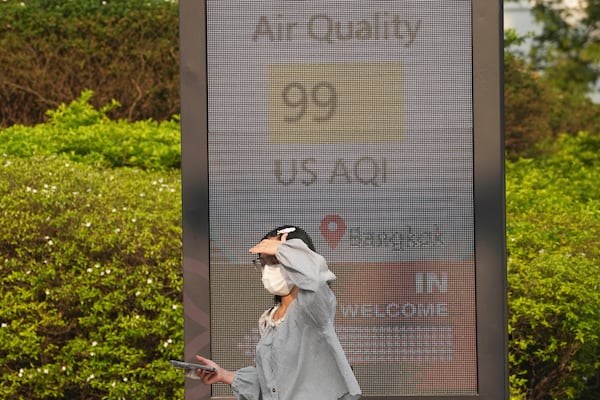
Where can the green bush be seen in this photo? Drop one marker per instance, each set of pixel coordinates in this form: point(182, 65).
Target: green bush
point(90, 257)
point(52, 50)
point(553, 236)
point(90, 271)
point(85, 134)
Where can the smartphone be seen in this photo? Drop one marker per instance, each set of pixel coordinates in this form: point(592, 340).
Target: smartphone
point(191, 366)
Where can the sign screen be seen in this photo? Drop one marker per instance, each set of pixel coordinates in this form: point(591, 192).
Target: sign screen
point(353, 120)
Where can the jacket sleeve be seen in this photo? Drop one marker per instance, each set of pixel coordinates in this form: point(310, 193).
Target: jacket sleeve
point(308, 270)
point(246, 385)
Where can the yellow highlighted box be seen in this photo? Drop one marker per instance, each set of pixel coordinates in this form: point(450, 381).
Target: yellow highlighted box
point(335, 102)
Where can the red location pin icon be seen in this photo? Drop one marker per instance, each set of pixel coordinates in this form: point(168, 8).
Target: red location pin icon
point(333, 228)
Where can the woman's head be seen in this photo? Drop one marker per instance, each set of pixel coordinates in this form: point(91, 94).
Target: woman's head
point(293, 232)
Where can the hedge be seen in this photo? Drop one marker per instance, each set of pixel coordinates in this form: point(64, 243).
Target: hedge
point(52, 50)
point(91, 281)
point(553, 236)
point(84, 133)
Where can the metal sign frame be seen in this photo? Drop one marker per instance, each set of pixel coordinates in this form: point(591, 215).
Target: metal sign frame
point(489, 196)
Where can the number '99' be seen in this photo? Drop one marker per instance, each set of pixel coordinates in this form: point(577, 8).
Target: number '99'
point(321, 98)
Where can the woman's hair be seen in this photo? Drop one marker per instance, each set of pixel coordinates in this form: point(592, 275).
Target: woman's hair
point(293, 232)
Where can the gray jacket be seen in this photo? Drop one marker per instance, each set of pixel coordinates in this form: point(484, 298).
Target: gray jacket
point(301, 358)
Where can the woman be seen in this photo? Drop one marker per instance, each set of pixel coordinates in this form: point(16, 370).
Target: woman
point(298, 356)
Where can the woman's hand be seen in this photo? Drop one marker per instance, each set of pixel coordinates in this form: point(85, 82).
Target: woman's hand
point(220, 375)
point(268, 246)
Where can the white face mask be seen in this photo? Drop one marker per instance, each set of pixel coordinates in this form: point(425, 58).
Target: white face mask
point(275, 280)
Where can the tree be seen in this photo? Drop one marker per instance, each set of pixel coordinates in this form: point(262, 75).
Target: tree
point(568, 47)
point(536, 111)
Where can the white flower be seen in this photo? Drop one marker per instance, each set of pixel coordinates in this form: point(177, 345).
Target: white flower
point(89, 378)
point(149, 281)
point(88, 224)
point(94, 343)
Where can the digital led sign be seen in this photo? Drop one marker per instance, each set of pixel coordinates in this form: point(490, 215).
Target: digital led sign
point(354, 121)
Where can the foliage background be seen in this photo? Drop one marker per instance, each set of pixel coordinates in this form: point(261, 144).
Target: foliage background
point(52, 50)
point(90, 265)
point(553, 240)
